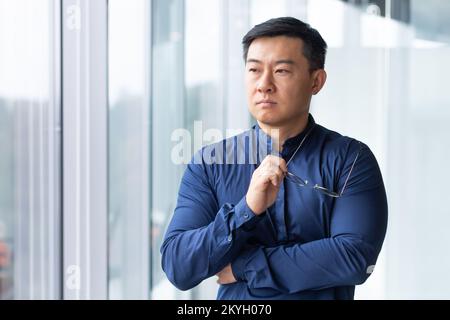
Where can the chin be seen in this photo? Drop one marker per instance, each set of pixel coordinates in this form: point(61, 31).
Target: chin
point(266, 117)
point(270, 121)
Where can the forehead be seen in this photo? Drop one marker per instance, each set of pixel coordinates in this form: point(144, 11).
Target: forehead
point(268, 49)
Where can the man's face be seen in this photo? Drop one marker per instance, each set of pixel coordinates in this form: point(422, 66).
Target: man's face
point(279, 84)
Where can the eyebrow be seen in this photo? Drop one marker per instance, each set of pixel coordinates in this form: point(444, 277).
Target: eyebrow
point(286, 61)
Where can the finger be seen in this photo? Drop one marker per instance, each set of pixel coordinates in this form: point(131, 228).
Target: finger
point(278, 162)
point(221, 281)
point(283, 166)
point(265, 161)
point(279, 174)
point(273, 175)
point(274, 179)
point(270, 160)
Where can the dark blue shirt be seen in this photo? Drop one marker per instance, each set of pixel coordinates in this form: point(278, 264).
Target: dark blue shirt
point(307, 245)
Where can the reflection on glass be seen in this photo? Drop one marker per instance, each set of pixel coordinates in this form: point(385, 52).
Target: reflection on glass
point(29, 161)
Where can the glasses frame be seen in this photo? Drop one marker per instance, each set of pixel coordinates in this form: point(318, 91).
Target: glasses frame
point(304, 183)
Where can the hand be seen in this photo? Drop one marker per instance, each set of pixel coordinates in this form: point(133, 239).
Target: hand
point(265, 183)
point(226, 276)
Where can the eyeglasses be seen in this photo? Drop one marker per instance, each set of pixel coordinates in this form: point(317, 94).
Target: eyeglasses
point(304, 183)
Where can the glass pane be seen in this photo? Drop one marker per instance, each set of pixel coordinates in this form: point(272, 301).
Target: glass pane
point(205, 87)
point(419, 155)
point(203, 60)
point(188, 63)
point(399, 95)
point(387, 86)
point(168, 114)
point(129, 239)
point(30, 150)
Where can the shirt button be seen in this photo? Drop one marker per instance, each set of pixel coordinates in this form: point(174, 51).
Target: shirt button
point(245, 215)
point(229, 238)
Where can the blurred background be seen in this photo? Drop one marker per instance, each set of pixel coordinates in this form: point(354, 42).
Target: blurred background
point(92, 91)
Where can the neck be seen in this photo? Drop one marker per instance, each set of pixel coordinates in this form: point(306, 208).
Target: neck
point(280, 133)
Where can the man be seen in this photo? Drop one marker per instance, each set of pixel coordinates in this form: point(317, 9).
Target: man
point(307, 220)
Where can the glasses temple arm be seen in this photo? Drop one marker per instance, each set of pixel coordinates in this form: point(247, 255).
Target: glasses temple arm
point(351, 169)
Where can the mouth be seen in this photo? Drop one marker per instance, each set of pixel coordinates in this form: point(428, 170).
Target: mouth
point(266, 103)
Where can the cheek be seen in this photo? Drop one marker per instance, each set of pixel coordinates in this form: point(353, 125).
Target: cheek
point(295, 89)
point(250, 88)
point(249, 83)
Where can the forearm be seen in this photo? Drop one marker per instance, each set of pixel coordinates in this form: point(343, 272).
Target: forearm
point(345, 258)
point(190, 256)
point(320, 264)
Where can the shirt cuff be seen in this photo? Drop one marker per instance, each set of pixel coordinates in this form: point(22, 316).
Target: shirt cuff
point(239, 264)
point(244, 216)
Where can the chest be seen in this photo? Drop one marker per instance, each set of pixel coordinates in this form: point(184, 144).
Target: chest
point(299, 214)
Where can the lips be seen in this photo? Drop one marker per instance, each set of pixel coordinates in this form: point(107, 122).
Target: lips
point(266, 103)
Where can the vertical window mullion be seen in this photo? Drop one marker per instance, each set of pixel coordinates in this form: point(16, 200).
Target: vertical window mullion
point(85, 149)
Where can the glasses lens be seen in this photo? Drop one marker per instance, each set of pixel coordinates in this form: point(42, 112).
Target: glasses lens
point(296, 179)
point(327, 192)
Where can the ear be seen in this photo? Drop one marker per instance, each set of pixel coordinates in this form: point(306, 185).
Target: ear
point(319, 77)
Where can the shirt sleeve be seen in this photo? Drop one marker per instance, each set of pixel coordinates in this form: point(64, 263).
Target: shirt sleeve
point(202, 238)
point(347, 257)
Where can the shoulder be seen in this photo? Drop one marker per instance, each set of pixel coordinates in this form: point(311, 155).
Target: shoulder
point(335, 144)
point(342, 152)
point(347, 154)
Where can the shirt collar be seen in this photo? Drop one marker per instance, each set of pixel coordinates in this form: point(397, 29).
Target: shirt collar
point(292, 142)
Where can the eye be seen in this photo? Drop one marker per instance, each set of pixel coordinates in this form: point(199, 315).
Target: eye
point(282, 71)
point(252, 70)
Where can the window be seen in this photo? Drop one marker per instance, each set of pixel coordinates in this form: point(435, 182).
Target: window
point(30, 135)
point(128, 149)
point(92, 94)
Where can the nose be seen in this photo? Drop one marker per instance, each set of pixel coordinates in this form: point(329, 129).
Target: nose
point(265, 84)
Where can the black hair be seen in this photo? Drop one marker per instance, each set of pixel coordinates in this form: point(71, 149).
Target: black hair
point(314, 47)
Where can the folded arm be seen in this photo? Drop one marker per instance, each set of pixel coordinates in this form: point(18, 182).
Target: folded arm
point(347, 257)
point(202, 238)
